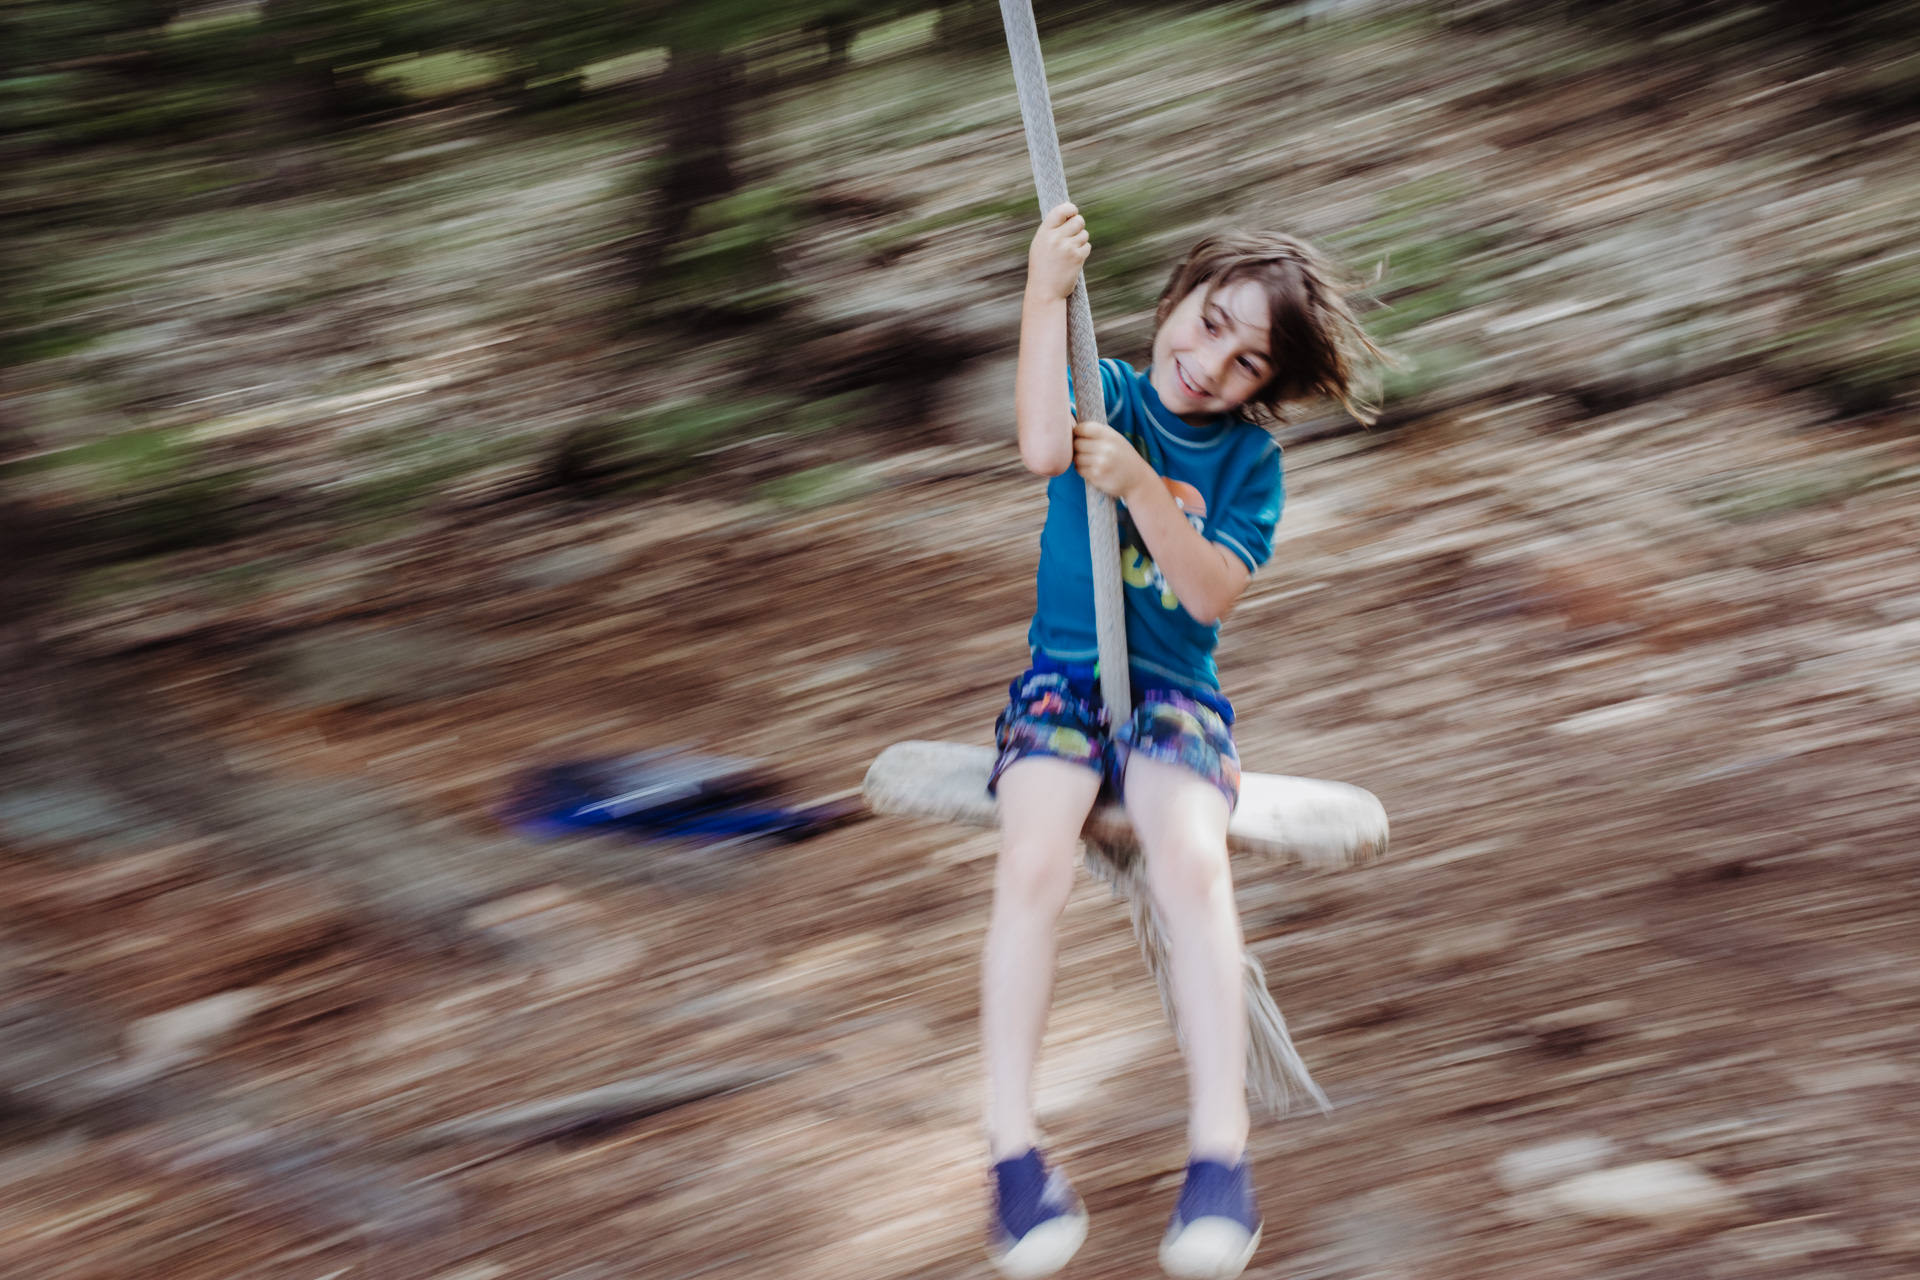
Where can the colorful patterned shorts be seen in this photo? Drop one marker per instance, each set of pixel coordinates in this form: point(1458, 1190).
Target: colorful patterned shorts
point(1058, 712)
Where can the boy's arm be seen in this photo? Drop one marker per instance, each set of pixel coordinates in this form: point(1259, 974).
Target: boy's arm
point(1207, 577)
point(1040, 411)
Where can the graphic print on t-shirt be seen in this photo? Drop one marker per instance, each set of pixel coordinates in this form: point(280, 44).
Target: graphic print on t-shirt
point(1137, 568)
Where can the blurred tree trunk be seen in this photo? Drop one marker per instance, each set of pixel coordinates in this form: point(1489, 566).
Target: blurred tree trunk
point(137, 59)
point(838, 28)
point(31, 579)
point(702, 86)
point(969, 24)
point(699, 93)
point(300, 95)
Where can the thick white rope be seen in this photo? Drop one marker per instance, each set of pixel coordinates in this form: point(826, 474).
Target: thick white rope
point(1274, 1068)
point(1050, 180)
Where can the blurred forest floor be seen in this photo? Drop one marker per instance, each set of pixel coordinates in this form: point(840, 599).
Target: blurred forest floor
point(1617, 612)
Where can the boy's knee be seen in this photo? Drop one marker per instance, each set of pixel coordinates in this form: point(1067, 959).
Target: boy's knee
point(1035, 876)
point(1188, 871)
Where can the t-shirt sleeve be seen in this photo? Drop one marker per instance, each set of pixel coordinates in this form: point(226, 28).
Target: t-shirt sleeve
point(1253, 512)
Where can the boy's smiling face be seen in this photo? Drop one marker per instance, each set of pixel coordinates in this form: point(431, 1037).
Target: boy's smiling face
point(1213, 354)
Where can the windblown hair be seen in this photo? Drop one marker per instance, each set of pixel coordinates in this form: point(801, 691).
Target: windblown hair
point(1318, 345)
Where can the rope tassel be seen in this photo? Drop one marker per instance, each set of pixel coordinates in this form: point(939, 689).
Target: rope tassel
point(1275, 1071)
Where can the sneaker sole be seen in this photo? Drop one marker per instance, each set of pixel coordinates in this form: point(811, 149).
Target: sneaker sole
point(1208, 1249)
point(1045, 1249)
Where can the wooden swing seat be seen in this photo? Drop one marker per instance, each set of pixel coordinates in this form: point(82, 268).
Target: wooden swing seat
point(1319, 825)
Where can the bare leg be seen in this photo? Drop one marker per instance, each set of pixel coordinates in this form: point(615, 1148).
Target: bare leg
point(1043, 805)
point(1182, 823)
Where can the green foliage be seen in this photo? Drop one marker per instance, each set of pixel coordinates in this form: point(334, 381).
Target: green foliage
point(1417, 375)
point(731, 24)
point(82, 73)
point(40, 32)
point(727, 264)
point(34, 102)
point(1422, 260)
point(156, 490)
point(644, 451)
point(344, 35)
point(1858, 340)
point(1009, 213)
point(969, 24)
point(442, 74)
point(694, 427)
point(398, 471)
point(655, 447)
point(811, 415)
point(1431, 263)
point(1825, 486)
point(24, 337)
point(542, 50)
point(624, 69)
point(210, 44)
point(819, 486)
point(1137, 232)
point(85, 73)
point(887, 36)
point(117, 580)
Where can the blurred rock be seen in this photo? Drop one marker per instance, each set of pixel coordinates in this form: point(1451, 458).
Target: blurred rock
point(566, 566)
point(1615, 715)
point(1847, 1077)
point(605, 1107)
point(1667, 1192)
point(1526, 1168)
point(355, 665)
point(162, 1040)
point(1464, 945)
point(1797, 1242)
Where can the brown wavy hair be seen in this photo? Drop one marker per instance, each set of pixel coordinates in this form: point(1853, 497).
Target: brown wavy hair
point(1318, 345)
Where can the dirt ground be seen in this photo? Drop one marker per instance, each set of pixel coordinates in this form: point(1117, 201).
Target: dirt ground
point(1633, 997)
point(1651, 893)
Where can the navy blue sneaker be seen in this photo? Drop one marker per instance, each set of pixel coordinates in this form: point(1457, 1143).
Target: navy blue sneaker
point(1215, 1226)
point(1038, 1223)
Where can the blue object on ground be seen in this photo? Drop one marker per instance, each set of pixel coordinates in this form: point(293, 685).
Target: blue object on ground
point(666, 795)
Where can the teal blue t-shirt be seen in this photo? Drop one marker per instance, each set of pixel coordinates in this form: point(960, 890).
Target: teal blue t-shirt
point(1225, 475)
